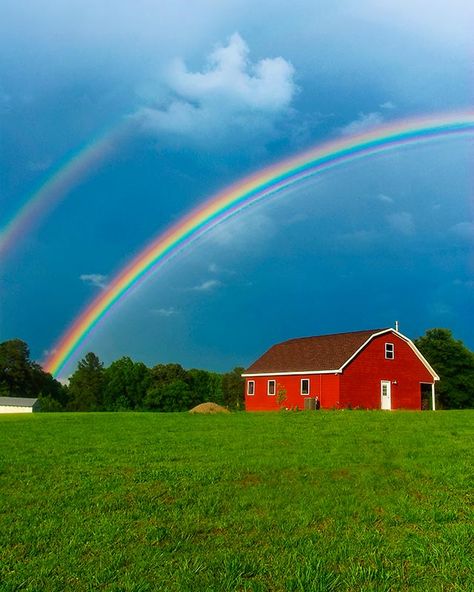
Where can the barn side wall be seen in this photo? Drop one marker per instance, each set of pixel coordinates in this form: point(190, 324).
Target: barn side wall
point(14, 409)
point(323, 386)
point(360, 381)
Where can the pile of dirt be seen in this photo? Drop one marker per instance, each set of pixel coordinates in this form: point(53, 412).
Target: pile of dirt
point(209, 408)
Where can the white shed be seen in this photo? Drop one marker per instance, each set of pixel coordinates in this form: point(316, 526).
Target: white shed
point(18, 405)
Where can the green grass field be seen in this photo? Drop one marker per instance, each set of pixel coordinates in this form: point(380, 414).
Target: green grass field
point(346, 500)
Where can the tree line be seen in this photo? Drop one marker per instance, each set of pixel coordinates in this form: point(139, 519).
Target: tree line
point(454, 364)
point(128, 385)
point(123, 386)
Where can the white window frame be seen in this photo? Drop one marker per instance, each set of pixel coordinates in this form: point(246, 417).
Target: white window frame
point(274, 388)
point(251, 382)
point(389, 351)
point(309, 387)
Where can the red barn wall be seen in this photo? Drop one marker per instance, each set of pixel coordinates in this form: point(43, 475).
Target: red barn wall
point(324, 386)
point(360, 380)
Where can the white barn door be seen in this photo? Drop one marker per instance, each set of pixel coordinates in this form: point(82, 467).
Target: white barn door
point(385, 394)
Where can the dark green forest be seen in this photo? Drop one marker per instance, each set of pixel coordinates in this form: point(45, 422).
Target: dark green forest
point(122, 386)
point(128, 385)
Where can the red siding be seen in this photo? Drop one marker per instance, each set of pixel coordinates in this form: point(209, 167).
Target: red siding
point(324, 386)
point(360, 381)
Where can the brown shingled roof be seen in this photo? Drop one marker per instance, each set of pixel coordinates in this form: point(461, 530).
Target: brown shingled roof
point(311, 354)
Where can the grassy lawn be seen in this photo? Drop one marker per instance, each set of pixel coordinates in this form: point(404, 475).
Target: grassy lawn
point(348, 500)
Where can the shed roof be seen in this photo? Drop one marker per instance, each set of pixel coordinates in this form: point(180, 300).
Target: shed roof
point(17, 402)
point(312, 354)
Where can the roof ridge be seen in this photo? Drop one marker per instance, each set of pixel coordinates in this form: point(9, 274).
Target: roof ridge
point(334, 334)
point(318, 352)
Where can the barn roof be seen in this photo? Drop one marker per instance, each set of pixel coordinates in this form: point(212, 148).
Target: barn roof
point(17, 402)
point(312, 354)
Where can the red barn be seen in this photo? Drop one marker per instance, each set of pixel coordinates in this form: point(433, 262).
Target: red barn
point(378, 369)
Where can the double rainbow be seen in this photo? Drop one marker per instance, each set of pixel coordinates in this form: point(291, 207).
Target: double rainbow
point(243, 194)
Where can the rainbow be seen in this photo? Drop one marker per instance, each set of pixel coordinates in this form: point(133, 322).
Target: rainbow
point(245, 193)
point(64, 176)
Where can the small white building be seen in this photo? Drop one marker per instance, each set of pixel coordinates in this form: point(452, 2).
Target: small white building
point(18, 405)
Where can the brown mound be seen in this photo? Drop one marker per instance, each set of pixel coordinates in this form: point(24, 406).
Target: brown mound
point(209, 408)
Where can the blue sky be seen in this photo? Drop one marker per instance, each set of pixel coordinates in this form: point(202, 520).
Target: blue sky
point(216, 91)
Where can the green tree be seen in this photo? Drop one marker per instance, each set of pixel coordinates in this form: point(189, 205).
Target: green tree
point(45, 386)
point(233, 388)
point(21, 377)
point(86, 385)
point(170, 388)
point(170, 396)
point(15, 369)
point(200, 383)
point(125, 384)
point(167, 373)
point(454, 363)
point(281, 395)
point(48, 404)
point(216, 394)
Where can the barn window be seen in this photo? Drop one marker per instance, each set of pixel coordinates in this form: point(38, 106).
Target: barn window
point(305, 386)
point(271, 387)
point(389, 351)
point(251, 387)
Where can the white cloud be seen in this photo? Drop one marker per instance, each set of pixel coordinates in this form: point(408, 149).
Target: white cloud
point(463, 230)
point(364, 122)
point(244, 232)
point(359, 238)
point(94, 279)
point(385, 198)
point(402, 222)
point(49, 352)
point(388, 105)
point(231, 96)
point(439, 308)
point(266, 85)
point(165, 312)
point(218, 269)
point(207, 286)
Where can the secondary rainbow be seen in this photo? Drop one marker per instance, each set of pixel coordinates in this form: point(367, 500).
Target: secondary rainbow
point(53, 189)
point(245, 193)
